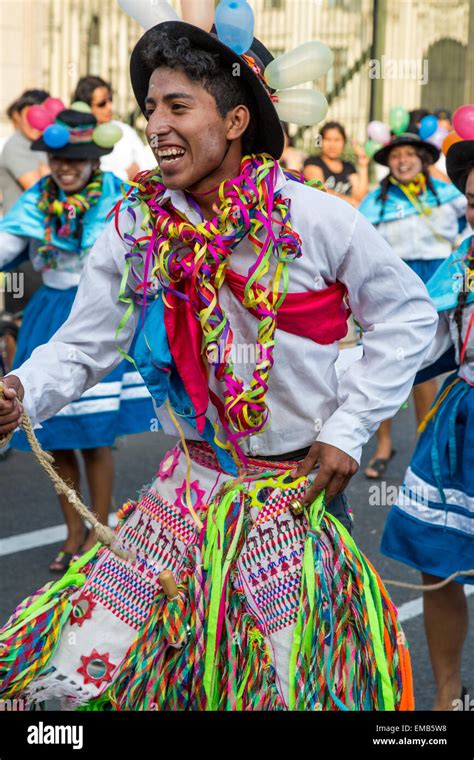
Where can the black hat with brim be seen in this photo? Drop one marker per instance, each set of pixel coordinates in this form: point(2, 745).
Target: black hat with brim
point(458, 158)
point(74, 120)
point(408, 138)
point(269, 137)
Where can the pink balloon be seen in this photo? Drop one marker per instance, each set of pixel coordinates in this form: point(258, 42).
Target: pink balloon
point(39, 117)
point(463, 122)
point(53, 106)
point(379, 132)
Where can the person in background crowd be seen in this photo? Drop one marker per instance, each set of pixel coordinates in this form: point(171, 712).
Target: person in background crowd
point(438, 169)
point(292, 158)
point(430, 527)
point(340, 177)
point(20, 169)
point(129, 155)
point(420, 217)
point(415, 119)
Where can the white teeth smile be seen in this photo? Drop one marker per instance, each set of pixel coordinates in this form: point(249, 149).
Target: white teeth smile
point(171, 154)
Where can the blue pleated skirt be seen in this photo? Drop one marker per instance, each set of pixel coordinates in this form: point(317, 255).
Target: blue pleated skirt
point(119, 405)
point(432, 525)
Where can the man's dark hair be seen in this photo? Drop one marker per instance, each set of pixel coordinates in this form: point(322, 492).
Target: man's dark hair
point(27, 98)
point(86, 86)
point(209, 70)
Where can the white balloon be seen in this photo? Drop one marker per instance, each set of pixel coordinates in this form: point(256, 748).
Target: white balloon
point(198, 12)
point(303, 107)
point(148, 13)
point(306, 62)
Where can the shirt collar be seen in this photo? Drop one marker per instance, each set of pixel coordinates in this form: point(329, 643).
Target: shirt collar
point(180, 203)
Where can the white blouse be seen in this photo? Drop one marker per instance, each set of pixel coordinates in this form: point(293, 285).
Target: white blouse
point(426, 237)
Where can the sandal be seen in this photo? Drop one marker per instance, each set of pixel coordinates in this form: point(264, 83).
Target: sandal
point(62, 562)
point(379, 465)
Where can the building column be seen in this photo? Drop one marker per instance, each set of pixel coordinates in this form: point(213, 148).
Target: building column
point(469, 76)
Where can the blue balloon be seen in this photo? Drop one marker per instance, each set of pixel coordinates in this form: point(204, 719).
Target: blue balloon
point(56, 136)
point(428, 126)
point(235, 23)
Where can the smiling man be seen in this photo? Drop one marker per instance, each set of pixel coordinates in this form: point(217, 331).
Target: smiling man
point(246, 272)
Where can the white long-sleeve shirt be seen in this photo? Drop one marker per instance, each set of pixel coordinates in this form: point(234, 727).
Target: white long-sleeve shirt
point(306, 400)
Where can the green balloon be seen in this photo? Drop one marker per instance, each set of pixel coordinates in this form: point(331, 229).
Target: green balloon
point(371, 147)
point(106, 135)
point(79, 105)
point(399, 119)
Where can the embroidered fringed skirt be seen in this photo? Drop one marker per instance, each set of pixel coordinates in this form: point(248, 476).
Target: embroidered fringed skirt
point(431, 527)
point(119, 405)
point(275, 611)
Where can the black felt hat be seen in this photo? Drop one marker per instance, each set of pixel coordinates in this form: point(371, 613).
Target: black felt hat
point(458, 158)
point(269, 137)
point(408, 138)
point(80, 126)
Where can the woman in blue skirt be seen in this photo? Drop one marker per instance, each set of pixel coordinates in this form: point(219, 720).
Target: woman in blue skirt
point(420, 217)
point(431, 527)
point(56, 223)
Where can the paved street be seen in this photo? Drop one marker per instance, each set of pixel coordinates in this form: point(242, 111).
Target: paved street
point(28, 504)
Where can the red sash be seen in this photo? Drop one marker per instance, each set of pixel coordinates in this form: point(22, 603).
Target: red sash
point(320, 316)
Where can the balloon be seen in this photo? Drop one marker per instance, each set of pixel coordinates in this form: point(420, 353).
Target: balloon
point(306, 62)
point(39, 118)
point(304, 107)
point(80, 106)
point(428, 126)
point(463, 122)
point(438, 138)
point(234, 23)
point(106, 135)
point(199, 13)
point(379, 132)
point(148, 13)
point(371, 147)
point(56, 136)
point(399, 119)
point(53, 106)
point(449, 140)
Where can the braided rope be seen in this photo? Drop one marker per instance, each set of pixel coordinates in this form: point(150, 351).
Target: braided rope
point(103, 533)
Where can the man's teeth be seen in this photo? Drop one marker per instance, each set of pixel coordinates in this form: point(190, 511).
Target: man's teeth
point(169, 152)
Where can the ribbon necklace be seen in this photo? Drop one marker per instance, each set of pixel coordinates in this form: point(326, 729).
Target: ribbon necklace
point(59, 213)
point(416, 192)
point(177, 251)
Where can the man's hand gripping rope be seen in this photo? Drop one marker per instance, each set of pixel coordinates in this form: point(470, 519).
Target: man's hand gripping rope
point(12, 415)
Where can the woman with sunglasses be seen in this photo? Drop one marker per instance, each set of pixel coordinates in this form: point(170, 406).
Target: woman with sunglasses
point(129, 155)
